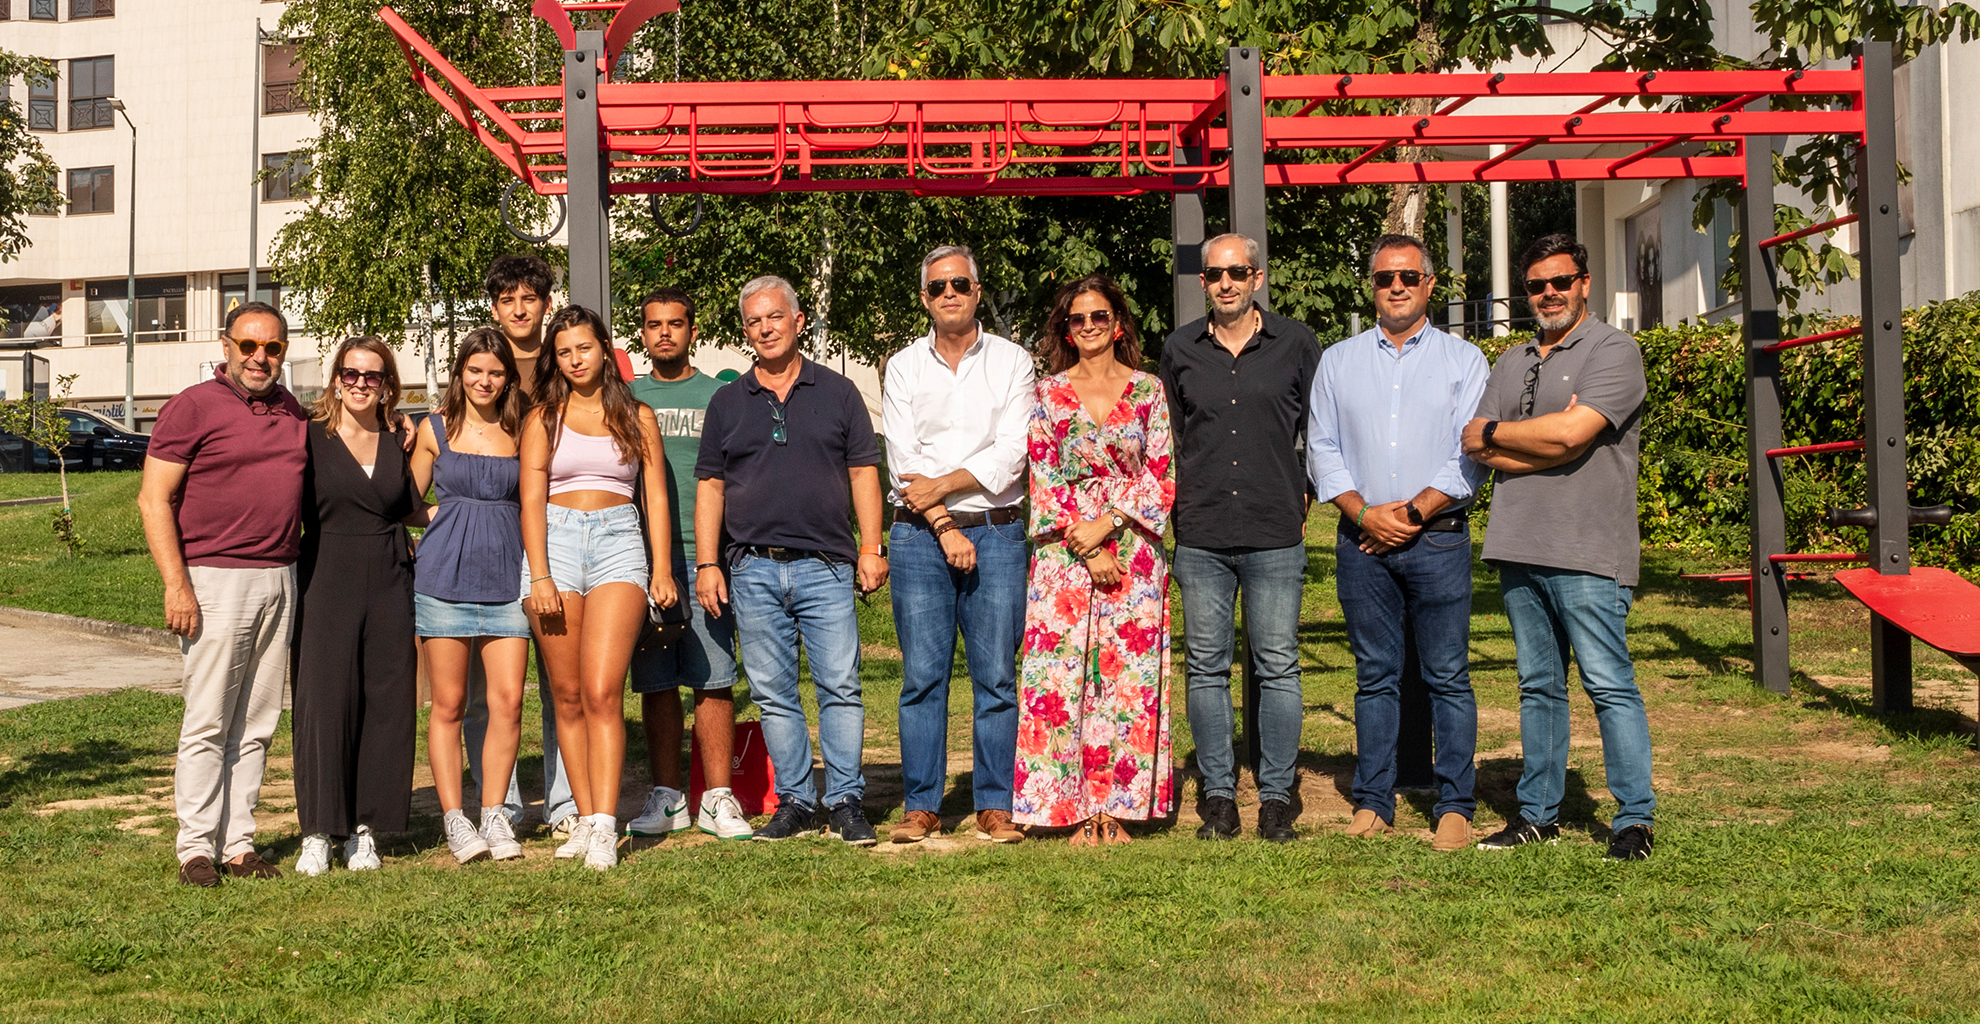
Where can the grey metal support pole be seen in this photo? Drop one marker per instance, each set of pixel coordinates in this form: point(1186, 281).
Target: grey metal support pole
point(1247, 131)
point(1766, 509)
point(590, 218)
point(1186, 229)
point(254, 162)
point(1889, 544)
point(130, 294)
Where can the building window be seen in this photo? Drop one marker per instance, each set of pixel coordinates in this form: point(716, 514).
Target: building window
point(1643, 247)
point(161, 309)
point(233, 291)
point(31, 310)
point(92, 81)
point(79, 9)
point(92, 190)
point(286, 177)
point(54, 184)
point(6, 11)
point(279, 73)
point(41, 104)
point(41, 10)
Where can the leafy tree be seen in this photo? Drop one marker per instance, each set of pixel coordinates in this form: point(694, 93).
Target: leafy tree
point(39, 422)
point(27, 174)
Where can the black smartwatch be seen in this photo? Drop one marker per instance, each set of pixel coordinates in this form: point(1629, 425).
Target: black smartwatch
point(1415, 514)
point(1490, 429)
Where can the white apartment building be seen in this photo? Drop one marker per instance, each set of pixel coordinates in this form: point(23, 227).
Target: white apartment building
point(186, 75)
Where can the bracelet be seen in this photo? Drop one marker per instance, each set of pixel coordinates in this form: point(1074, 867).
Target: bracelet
point(539, 579)
point(1358, 515)
point(707, 565)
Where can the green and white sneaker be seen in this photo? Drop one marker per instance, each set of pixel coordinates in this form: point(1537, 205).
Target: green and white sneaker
point(721, 816)
point(665, 813)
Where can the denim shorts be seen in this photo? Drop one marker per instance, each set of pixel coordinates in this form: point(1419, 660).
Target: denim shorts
point(703, 657)
point(590, 549)
point(435, 617)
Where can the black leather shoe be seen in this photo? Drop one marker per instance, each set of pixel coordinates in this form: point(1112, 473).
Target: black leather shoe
point(1275, 822)
point(1632, 843)
point(1220, 818)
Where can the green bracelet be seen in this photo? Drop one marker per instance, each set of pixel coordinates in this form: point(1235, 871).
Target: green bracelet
point(1358, 515)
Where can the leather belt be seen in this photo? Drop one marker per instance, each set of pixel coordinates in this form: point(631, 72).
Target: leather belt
point(1446, 524)
point(785, 554)
point(994, 517)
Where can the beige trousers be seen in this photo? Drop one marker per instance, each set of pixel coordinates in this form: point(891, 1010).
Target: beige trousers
point(236, 666)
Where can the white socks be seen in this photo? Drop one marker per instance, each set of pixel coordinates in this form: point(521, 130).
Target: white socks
point(709, 796)
point(604, 823)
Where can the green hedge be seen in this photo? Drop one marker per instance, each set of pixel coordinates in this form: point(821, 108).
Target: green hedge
point(1692, 492)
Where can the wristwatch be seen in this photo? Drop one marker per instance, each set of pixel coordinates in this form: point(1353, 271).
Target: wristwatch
point(1119, 520)
point(1415, 514)
point(1490, 429)
point(874, 549)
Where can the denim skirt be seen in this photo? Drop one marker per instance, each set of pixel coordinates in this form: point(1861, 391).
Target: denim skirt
point(435, 617)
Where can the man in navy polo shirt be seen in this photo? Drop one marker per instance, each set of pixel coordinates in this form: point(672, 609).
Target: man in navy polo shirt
point(784, 449)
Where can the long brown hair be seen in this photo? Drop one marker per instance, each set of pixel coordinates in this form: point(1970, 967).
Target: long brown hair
point(508, 404)
point(553, 389)
point(1060, 353)
point(330, 405)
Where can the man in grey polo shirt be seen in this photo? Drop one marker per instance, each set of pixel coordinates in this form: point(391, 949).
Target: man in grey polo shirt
point(1560, 422)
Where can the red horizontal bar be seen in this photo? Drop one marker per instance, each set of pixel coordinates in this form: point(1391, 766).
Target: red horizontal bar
point(1811, 339)
point(1812, 229)
point(1821, 557)
point(1587, 83)
point(1816, 449)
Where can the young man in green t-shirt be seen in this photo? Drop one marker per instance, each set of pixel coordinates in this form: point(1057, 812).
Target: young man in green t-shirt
point(704, 658)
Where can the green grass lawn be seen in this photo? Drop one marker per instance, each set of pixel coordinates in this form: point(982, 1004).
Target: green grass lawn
point(1814, 863)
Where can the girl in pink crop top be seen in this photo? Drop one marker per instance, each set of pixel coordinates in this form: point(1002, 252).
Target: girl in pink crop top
point(586, 463)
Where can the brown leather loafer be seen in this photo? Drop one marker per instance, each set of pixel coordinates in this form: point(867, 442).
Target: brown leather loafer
point(1453, 832)
point(1367, 823)
point(252, 866)
point(199, 871)
point(996, 827)
point(916, 826)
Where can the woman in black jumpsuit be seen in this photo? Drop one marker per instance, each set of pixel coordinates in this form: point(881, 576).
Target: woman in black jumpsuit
point(355, 679)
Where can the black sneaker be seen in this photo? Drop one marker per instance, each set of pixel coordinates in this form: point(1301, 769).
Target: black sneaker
point(1220, 818)
point(790, 822)
point(848, 822)
point(1275, 822)
point(1519, 833)
point(1632, 843)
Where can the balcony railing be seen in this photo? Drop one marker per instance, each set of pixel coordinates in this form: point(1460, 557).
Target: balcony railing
point(282, 98)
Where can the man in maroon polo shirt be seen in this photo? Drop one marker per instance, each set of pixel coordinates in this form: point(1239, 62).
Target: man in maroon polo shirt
point(221, 498)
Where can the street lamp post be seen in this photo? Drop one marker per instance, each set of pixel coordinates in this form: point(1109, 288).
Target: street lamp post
point(130, 286)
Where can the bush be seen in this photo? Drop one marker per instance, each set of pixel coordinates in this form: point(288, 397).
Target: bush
point(1692, 488)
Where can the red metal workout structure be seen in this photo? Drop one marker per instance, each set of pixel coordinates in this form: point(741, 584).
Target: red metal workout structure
point(590, 137)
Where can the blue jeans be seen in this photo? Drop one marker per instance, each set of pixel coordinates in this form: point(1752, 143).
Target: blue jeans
point(1554, 612)
point(931, 600)
point(1418, 592)
point(557, 800)
point(779, 605)
point(1273, 580)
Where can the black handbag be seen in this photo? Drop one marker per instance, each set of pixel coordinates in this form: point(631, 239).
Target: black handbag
point(663, 626)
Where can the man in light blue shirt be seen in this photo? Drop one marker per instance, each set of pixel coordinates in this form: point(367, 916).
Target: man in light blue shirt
point(1388, 413)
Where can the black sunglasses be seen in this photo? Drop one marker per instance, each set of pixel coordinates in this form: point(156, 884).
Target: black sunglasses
point(249, 346)
point(962, 285)
point(1385, 278)
point(1538, 285)
point(777, 433)
point(1240, 274)
point(350, 378)
point(1532, 385)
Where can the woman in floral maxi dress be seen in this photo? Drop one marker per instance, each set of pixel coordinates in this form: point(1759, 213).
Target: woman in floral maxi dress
point(1093, 697)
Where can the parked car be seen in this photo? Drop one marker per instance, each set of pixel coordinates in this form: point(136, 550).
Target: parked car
point(94, 443)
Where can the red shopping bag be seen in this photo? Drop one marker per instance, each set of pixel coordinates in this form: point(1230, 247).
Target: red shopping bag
point(750, 775)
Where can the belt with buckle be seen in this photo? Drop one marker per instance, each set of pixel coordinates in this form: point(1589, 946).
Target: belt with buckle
point(1453, 523)
point(994, 517)
point(785, 554)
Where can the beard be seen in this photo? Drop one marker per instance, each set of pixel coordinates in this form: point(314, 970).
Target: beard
point(1562, 318)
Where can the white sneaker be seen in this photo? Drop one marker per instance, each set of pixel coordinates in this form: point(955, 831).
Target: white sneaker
point(603, 852)
point(563, 827)
point(499, 834)
point(721, 816)
point(463, 841)
point(361, 850)
point(666, 812)
point(315, 857)
point(579, 842)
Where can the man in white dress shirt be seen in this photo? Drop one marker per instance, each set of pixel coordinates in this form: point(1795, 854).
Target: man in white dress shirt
point(954, 411)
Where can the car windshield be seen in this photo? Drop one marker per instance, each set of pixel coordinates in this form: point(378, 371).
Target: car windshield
point(81, 422)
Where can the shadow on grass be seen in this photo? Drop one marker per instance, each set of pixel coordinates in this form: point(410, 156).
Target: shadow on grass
point(90, 766)
point(1914, 724)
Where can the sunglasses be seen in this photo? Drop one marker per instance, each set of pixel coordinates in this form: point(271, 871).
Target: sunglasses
point(1538, 285)
point(777, 433)
point(1386, 278)
point(1240, 273)
point(249, 346)
point(350, 378)
point(1532, 385)
point(962, 285)
point(1097, 318)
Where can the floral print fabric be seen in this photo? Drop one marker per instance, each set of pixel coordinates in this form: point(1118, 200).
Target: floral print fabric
point(1093, 696)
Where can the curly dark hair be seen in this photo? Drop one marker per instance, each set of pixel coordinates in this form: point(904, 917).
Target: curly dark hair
point(1061, 354)
point(508, 272)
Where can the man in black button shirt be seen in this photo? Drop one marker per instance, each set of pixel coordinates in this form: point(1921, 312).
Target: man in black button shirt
point(784, 449)
point(1238, 383)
